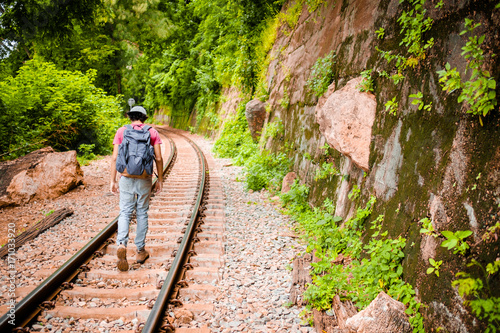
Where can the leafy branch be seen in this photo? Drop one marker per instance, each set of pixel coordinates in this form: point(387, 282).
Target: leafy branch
point(479, 92)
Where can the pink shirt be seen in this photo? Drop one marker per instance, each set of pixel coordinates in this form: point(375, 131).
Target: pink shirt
point(155, 137)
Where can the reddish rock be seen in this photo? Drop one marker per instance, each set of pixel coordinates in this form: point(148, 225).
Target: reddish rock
point(383, 315)
point(255, 111)
point(346, 120)
point(183, 316)
point(343, 311)
point(288, 182)
point(48, 177)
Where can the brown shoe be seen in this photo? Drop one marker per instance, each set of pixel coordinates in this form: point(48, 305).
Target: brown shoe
point(121, 253)
point(142, 255)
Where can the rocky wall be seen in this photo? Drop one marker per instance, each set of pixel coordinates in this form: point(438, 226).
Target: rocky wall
point(440, 163)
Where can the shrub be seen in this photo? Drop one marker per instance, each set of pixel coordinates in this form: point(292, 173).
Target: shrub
point(266, 170)
point(62, 107)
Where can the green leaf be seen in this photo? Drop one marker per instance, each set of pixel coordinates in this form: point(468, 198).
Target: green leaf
point(450, 243)
point(448, 234)
point(430, 270)
point(463, 234)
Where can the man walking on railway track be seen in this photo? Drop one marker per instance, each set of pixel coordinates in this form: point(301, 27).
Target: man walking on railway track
point(133, 148)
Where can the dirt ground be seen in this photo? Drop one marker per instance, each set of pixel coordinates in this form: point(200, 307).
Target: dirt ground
point(93, 193)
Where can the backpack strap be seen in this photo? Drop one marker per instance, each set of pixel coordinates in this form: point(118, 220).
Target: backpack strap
point(146, 127)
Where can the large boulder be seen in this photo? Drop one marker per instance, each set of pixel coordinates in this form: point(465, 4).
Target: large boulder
point(345, 118)
point(43, 175)
point(383, 315)
point(288, 181)
point(255, 112)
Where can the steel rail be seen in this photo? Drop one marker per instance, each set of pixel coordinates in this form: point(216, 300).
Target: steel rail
point(29, 306)
point(177, 269)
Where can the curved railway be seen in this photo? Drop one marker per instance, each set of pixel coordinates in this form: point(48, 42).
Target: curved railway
point(185, 244)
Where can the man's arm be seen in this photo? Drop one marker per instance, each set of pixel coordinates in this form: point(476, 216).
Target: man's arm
point(159, 168)
point(113, 187)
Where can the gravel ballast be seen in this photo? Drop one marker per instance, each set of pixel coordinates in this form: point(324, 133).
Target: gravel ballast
point(259, 249)
point(255, 280)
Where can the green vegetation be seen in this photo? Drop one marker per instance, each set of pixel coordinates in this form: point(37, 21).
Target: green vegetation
point(391, 106)
point(273, 129)
point(475, 287)
point(266, 170)
point(45, 106)
point(292, 14)
point(414, 24)
point(210, 45)
point(479, 91)
point(417, 100)
point(235, 140)
point(326, 170)
point(321, 74)
point(427, 227)
point(358, 278)
point(435, 266)
point(456, 241)
point(367, 82)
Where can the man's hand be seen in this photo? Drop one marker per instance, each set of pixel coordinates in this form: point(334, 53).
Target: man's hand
point(158, 187)
point(113, 187)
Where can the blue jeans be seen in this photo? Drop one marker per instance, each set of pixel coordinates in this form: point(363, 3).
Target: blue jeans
point(134, 193)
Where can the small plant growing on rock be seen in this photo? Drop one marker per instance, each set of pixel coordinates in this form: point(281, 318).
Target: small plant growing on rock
point(367, 83)
point(477, 289)
point(479, 92)
point(435, 266)
point(456, 241)
point(391, 106)
point(354, 194)
point(417, 100)
point(326, 170)
point(427, 227)
point(321, 75)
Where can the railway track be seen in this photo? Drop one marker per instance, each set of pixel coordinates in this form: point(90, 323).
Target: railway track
point(173, 287)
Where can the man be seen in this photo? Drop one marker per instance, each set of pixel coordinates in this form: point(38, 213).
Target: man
point(134, 191)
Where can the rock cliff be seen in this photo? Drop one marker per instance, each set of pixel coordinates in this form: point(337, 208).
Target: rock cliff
point(438, 162)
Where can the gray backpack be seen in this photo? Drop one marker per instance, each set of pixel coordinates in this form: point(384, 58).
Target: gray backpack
point(135, 153)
